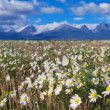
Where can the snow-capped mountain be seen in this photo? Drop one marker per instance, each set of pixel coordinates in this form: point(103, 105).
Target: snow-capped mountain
point(58, 32)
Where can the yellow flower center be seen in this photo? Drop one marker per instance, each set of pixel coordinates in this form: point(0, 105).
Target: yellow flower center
point(48, 73)
point(94, 95)
point(34, 85)
point(51, 85)
point(76, 101)
point(70, 83)
point(74, 77)
point(96, 72)
point(60, 86)
point(11, 92)
point(84, 83)
point(95, 81)
point(64, 82)
point(55, 67)
point(75, 72)
point(22, 85)
point(46, 93)
point(84, 66)
point(108, 88)
point(61, 75)
point(79, 81)
point(24, 99)
point(73, 68)
point(66, 60)
point(3, 102)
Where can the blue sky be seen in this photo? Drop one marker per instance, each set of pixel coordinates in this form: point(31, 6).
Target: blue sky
point(41, 12)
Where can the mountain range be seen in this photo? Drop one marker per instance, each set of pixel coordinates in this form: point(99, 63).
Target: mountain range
point(62, 32)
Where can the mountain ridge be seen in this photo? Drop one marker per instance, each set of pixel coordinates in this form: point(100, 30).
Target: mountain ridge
point(62, 32)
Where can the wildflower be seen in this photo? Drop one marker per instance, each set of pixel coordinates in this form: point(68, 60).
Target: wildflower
point(95, 81)
point(2, 103)
point(58, 89)
point(95, 72)
point(75, 101)
point(65, 61)
point(7, 77)
point(107, 92)
point(93, 95)
point(68, 91)
point(24, 99)
point(21, 86)
point(12, 93)
point(69, 83)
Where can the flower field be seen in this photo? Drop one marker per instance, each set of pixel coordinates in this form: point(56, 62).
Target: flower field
point(55, 75)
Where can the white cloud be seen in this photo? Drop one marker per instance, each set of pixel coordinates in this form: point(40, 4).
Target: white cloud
point(63, 1)
point(50, 10)
point(35, 2)
point(102, 8)
point(14, 12)
point(78, 19)
point(104, 18)
point(38, 20)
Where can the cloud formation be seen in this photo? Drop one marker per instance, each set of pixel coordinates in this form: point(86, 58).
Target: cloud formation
point(63, 1)
point(14, 12)
point(102, 8)
point(51, 10)
point(38, 20)
point(78, 18)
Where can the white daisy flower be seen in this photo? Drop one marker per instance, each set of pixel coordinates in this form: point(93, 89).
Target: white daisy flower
point(79, 57)
point(95, 72)
point(7, 77)
point(2, 103)
point(28, 80)
point(69, 83)
point(95, 81)
point(58, 61)
point(21, 86)
point(24, 99)
point(12, 93)
point(107, 92)
point(65, 61)
point(68, 91)
point(58, 89)
point(93, 95)
point(42, 96)
point(50, 91)
point(75, 101)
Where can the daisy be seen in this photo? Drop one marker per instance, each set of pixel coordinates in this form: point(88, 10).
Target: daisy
point(7, 78)
point(75, 101)
point(78, 83)
point(24, 99)
point(28, 80)
point(95, 81)
point(65, 61)
point(58, 89)
point(12, 93)
point(58, 61)
point(93, 95)
point(80, 57)
point(69, 83)
point(2, 103)
point(68, 91)
point(107, 92)
point(21, 86)
point(95, 72)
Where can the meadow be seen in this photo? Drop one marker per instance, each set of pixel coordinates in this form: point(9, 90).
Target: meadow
point(54, 75)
